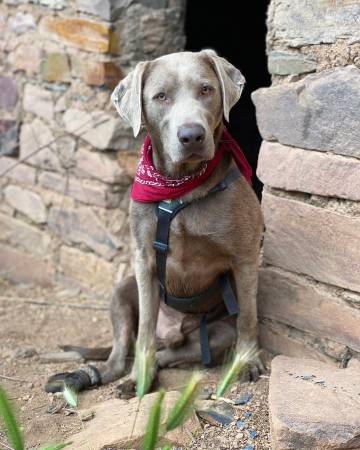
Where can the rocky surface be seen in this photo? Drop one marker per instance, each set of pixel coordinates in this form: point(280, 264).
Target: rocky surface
point(313, 405)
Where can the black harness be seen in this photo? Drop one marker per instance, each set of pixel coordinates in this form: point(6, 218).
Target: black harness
point(166, 212)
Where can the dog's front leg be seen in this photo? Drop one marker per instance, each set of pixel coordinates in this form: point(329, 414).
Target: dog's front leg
point(246, 280)
point(149, 301)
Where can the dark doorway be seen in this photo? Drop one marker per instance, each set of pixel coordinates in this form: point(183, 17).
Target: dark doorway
point(237, 32)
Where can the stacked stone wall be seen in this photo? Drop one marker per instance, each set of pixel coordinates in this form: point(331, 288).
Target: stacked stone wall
point(66, 158)
point(309, 295)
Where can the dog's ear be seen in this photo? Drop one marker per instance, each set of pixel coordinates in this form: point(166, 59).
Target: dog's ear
point(127, 97)
point(231, 80)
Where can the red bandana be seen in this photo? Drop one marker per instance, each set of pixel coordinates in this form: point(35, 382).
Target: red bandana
point(150, 186)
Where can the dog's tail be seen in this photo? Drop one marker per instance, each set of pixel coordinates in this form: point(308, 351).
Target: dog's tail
point(89, 354)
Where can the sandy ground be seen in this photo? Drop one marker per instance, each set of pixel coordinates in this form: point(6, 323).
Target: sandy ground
point(44, 319)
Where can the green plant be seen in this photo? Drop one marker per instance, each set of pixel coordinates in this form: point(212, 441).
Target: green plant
point(153, 423)
point(12, 429)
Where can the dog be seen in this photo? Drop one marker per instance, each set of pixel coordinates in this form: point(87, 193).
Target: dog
point(183, 99)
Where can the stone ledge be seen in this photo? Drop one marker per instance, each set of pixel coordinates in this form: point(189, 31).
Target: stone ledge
point(313, 241)
point(295, 169)
point(308, 306)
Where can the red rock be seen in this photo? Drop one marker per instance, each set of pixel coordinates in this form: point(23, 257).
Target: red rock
point(100, 73)
point(313, 405)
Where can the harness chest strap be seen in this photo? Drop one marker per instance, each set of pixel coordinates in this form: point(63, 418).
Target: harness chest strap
point(166, 211)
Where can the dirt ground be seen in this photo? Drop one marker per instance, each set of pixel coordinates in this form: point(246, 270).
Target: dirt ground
point(39, 319)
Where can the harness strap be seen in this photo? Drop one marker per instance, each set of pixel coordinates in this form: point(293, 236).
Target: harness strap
point(166, 211)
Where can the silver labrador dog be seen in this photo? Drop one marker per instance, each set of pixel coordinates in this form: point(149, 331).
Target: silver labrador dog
point(182, 99)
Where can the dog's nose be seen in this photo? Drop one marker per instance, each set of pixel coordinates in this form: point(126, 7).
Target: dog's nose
point(191, 136)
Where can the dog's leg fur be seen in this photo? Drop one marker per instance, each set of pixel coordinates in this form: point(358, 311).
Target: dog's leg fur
point(246, 280)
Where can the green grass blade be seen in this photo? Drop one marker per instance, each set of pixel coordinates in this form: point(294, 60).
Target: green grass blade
point(70, 396)
point(183, 406)
point(143, 363)
point(152, 427)
point(240, 361)
point(55, 446)
point(11, 427)
point(166, 447)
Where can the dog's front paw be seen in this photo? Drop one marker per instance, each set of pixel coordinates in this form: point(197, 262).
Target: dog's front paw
point(126, 388)
point(79, 380)
point(253, 370)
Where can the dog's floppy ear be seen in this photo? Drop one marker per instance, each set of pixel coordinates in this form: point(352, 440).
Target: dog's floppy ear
point(127, 97)
point(231, 80)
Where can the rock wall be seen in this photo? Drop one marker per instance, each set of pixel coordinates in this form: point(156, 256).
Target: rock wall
point(63, 209)
point(309, 296)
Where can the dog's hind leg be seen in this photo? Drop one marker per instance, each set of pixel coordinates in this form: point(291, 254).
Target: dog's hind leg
point(124, 316)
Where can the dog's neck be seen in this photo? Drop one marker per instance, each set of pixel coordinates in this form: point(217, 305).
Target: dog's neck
point(168, 168)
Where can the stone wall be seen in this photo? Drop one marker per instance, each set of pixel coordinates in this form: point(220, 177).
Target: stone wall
point(63, 209)
point(309, 297)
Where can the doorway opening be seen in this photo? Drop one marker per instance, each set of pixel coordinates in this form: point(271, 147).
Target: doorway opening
point(238, 36)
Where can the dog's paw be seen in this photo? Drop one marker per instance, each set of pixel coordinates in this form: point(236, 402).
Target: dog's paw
point(253, 370)
point(78, 381)
point(126, 389)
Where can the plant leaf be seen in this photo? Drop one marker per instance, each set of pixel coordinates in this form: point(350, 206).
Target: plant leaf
point(240, 361)
point(152, 426)
point(10, 424)
point(183, 406)
point(166, 447)
point(70, 396)
point(55, 446)
point(143, 363)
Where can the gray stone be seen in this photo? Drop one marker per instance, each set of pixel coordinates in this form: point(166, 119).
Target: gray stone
point(38, 101)
point(38, 136)
point(25, 236)
point(20, 172)
point(9, 145)
point(319, 112)
point(155, 4)
point(82, 226)
point(295, 169)
point(97, 128)
point(22, 22)
point(54, 4)
point(286, 63)
point(318, 242)
point(66, 150)
point(27, 202)
point(106, 9)
point(8, 92)
point(305, 22)
point(313, 405)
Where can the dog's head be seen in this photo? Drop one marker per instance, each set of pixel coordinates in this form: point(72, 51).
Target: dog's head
point(181, 98)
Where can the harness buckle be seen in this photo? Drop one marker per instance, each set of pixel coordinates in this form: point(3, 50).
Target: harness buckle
point(160, 246)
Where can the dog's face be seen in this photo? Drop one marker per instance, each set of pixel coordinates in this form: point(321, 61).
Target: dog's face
point(181, 98)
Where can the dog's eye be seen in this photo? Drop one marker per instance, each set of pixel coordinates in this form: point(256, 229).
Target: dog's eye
point(160, 96)
point(205, 89)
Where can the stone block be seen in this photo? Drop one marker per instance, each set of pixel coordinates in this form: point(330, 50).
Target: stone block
point(128, 161)
point(38, 101)
point(8, 92)
point(56, 67)
point(302, 22)
point(20, 267)
point(102, 166)
point(19, 172)
point(313, 405)
point(113, 424)
point(320, 112)
point(105, 9)
point(38, 136)
point(101, 73)
point(82, 226)
point(27, 202)
point(22, 22)
point(27, 58)
point(286, 63)
point(295, 169)
point(313, 241)
point(82, 33)
point(9, 145)
point(89, 192)
point(86, 268)
point(97, 128)
point(308, 306)
point(54, 4)
point(20, 234)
